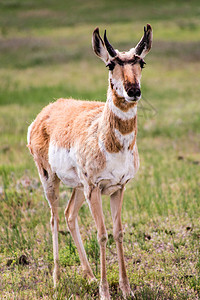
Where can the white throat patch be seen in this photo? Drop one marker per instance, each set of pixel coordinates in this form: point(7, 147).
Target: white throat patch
point(131, 113)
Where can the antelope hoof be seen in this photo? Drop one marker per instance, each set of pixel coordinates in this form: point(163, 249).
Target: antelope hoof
point(126, 290)
point(104, 291)
point(56, 276)
point(89, 276)
point(91, 279)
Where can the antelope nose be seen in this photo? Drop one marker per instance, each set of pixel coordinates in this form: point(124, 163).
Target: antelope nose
point(133, 92)
point(137, 93)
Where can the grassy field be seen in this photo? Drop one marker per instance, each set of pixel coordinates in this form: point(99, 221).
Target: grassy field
point(45, 53)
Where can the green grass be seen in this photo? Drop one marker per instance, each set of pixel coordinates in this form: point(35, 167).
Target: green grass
point(45, 53)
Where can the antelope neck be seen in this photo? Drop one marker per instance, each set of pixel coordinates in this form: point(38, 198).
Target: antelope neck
point(124, 126)
point(119, 127)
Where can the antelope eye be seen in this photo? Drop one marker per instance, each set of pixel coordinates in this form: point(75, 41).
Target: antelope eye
point(111, 66)
point(142, 63)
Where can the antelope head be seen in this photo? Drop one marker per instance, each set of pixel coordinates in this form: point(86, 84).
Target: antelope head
point(124, 67)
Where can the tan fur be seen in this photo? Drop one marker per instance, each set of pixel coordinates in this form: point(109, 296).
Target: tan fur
point(132, 73)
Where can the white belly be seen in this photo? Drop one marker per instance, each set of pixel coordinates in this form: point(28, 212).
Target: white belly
point(118, 171)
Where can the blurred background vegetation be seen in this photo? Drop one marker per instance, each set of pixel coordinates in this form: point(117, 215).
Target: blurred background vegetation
point(46, 53)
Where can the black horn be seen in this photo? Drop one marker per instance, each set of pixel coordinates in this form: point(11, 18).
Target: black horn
point(110, 49)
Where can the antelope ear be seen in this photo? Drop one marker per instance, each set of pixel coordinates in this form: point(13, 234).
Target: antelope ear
point(144, 45)
point(99, 46)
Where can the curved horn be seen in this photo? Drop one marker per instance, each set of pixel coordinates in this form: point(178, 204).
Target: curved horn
point(110, 49)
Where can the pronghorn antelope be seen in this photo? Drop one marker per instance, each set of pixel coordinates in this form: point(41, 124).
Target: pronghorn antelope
point(91, 147)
